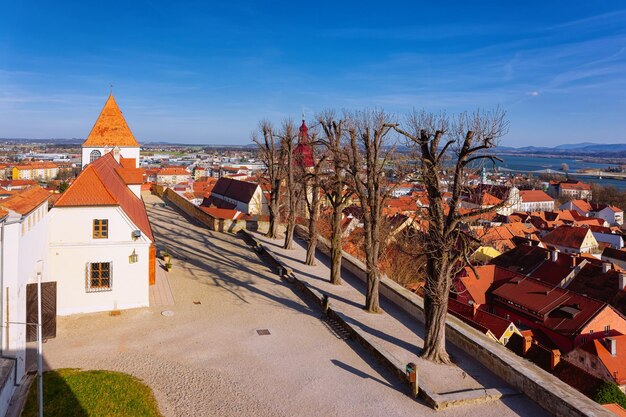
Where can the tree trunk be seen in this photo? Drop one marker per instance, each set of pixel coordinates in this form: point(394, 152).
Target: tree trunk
point(335, 247)
point(272, 231)
point(435, 340)
point(312, 246)
point(371, 299)
point(291, 224)
point(436, 293)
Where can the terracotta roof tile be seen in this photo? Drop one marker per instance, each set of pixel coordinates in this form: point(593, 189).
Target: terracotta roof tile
point(615, 409)
point(559, 310)
point(220, 213)
point(131, 175)
point(571, 237)
point(101, 185)
point(110, 128)
point(173, 171)
point(25, 201)
point(534, 196)
point(616, 365)
point(87, 190)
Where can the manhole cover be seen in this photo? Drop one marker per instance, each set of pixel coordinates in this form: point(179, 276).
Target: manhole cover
point(263, 332)
point(167, 313)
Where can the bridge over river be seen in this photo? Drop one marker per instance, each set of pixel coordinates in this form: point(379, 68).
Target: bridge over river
point(592, 174)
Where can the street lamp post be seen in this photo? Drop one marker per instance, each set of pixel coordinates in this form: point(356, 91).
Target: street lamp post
point(39, 346)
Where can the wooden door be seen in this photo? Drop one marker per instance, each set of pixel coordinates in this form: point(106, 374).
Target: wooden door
point(48, 310)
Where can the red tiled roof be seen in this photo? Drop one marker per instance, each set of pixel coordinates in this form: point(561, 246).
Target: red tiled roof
point(220, 213)
point(237, 190)
point(555, 272)
point(488, 275)
point(568, 236)
point(99, 184)
point(87, 190)
point(110, 128)
point(173, 171)
point(612, 253)
point(562, 311)
point(583, 205)
point(497, 325)
point(128, 162)
point(529, 196)
point(131, 175)
point(25, 201)
point(616, 365)
point(575, 186)
point(615, 409)
point(16, 183)
point(36, 165)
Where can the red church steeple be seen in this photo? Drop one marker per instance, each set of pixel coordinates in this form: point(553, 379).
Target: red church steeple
point(303, 154)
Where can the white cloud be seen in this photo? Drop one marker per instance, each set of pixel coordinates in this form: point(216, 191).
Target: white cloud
point(533, 93)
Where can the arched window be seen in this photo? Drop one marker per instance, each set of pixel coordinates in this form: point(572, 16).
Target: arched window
point(94, 155)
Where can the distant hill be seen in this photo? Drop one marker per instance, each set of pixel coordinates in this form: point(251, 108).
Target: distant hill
point(585, 148)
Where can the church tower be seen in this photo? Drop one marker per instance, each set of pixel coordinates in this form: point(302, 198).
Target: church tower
point(109, 132)
point(303, 154)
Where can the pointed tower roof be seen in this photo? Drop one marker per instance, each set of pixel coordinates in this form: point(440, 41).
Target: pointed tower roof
point(303, 152)
point(111, 129)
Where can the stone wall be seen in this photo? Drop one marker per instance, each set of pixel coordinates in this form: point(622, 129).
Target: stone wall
point(545, 389)
point(213, 223)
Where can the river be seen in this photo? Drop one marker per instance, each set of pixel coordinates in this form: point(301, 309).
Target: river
point(531, 163)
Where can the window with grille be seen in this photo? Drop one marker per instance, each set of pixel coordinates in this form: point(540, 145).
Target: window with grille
point(100, 229)
point(99, 277)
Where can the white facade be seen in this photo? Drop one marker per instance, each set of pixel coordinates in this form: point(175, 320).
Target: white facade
point(257, 204)
point(23, 255)
point(614, 218)
point(531, 206)
point(129, 152)
point(73, 248)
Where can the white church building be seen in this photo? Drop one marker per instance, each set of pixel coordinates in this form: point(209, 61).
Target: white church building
point(101, 248)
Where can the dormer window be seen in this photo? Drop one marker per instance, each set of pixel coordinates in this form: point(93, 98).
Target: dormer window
point(101, 229)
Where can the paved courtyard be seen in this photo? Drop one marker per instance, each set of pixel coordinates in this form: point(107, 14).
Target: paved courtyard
point(207, 359)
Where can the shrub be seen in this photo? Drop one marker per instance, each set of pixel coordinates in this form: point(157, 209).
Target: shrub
point(609, 393)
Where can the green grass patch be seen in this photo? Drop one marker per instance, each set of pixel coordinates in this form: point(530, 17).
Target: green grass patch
point(76, 393)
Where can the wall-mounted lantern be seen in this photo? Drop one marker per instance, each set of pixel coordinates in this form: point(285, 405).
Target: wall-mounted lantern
point(133, 258)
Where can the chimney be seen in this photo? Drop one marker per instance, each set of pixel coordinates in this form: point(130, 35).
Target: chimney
point(554, 255)
point(526, 344)
point(116, 154)
point(606, 267)
point(622, 281)
point(555, 358)
point(611, 345)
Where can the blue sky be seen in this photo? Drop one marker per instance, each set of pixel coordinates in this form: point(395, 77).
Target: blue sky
point(198, 72)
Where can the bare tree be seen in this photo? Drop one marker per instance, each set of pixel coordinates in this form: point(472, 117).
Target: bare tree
point(287, 137)
point(446, 245)
point(335, 186)
point(367, 156)
point(313, 183)
point(272, 154)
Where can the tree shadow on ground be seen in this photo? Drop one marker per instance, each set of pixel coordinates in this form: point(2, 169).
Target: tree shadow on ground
point(212, 259)
point(58, 398)
point(360, 373)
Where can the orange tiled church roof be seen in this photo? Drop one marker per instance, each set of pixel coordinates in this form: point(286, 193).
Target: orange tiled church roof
point(101, 184)
point(111, 128)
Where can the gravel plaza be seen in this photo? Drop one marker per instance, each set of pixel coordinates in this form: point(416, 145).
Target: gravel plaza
point(206, 356)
